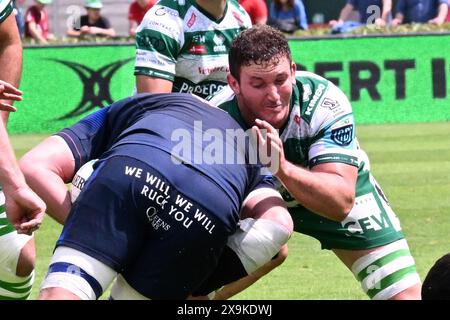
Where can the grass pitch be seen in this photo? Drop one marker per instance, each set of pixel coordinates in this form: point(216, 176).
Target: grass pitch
point(411, 163)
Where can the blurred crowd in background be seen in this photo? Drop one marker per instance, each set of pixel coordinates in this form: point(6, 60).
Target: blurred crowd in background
point(108, 18)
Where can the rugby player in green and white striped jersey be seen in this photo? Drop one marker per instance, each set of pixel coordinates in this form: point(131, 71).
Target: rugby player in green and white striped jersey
point(25, 209)
point(182, 45)
point(324, 175)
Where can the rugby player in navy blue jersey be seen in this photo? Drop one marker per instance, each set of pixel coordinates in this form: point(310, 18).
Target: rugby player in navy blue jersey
point(160, 206)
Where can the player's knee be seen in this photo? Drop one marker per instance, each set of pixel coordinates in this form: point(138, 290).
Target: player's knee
point(27, 259)
point(256, 242)
point(73, 273)
point(15, 283)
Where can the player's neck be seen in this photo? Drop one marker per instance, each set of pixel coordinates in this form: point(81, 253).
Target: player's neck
point(214, 7)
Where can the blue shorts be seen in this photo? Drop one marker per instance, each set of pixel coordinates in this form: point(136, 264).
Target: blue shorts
point(148, 225)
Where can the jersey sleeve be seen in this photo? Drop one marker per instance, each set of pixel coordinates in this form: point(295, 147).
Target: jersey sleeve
point(87, 138)
point(334, 130)
point(90, 137)
point(6, 7)
point(262, 178)
point(158, 42)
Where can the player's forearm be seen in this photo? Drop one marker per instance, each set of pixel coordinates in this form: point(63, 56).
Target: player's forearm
point(47, 168)
point(10, 55)
point(51, 188)
point(326, 194)
point(10, 174)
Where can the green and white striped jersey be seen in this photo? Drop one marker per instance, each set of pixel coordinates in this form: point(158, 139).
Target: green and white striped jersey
point(180, 42)
point(6, 7)
point(321, 129)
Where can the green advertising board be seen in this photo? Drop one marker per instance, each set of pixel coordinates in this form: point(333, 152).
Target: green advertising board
point(387, 79)
point(62, 84)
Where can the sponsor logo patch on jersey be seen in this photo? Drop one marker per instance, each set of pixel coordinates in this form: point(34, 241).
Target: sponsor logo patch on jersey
point(342, 136)
point(192, 19)
point(330, 103)
point(197, 49)
point(219, 46)
point(199, 38)
point(315, 99)
point(162, 11)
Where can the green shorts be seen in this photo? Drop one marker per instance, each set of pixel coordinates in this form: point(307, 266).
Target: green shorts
point(371, 223)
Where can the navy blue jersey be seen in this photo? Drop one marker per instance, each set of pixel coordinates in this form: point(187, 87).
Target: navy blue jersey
point(157, 209)
point(182, 125)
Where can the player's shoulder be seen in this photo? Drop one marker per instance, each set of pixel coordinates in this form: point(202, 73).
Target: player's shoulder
point(321, 101)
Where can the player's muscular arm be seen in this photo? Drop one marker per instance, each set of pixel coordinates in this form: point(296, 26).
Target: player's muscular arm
point(10, 55)
point(328, 189)
point(153, 85)
point(47, 169)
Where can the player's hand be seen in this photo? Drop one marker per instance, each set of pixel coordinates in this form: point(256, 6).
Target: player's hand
point(8, 92)
point(24, 209)
point(270, 146)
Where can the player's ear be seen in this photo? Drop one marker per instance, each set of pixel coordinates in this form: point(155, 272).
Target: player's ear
point(293, 71)
point(234, 83)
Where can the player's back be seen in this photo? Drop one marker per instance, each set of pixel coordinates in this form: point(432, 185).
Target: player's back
point(194, 133)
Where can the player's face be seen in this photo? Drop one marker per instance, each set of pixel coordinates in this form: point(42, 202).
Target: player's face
point(264, 91)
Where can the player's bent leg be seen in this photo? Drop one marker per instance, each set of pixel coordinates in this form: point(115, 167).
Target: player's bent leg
point(73, 274)
point(386, 272)
point(258, 242)
point(17, 257)
point(27, 259)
